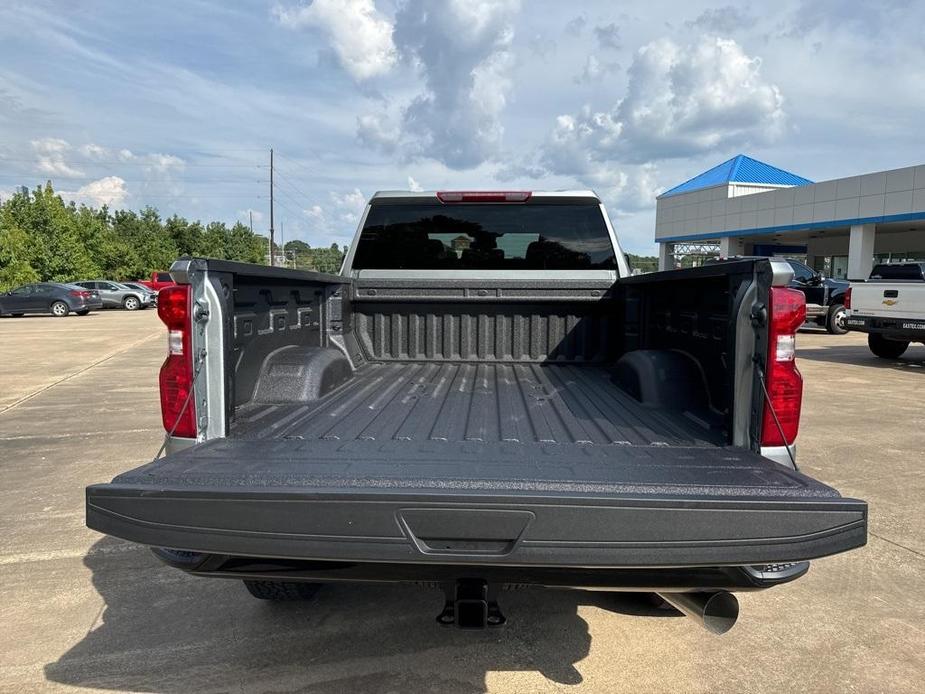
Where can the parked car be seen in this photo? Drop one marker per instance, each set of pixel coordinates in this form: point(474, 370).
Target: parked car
point(825, 297)
point(483, 397)
point(889, 307)
point(117, 295)
point(55, 298)
point(143, 288)
point(158, 281)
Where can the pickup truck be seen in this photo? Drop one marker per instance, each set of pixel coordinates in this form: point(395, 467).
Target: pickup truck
point(483, 398)
point(889, 307)
point(825, 296)
point(158, 281)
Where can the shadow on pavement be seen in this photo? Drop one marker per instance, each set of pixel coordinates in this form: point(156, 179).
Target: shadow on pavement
point(163, 631)
point(913, 360)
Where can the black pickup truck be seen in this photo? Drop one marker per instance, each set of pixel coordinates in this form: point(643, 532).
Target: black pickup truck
point(482, 398)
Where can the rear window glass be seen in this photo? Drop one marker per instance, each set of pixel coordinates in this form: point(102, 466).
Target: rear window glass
point(484, 237)
point(164, 277)
point(905, 271)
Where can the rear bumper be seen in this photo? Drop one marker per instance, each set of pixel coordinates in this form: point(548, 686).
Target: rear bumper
point(513, 530)
point(678, 579)
point(897, 328)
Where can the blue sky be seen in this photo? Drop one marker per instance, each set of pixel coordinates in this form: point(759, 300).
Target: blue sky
point(175, 104)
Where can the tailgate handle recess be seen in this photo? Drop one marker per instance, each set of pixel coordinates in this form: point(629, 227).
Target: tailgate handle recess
point(464, 531)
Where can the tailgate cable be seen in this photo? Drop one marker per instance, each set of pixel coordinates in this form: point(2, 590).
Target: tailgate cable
point(767, 399)
point(189, 396)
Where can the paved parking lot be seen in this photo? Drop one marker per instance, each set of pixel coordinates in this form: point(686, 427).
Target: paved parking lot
point(78, 404)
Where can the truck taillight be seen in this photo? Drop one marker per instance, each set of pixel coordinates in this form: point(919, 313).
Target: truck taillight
point(178, 407)
point(782, 378)
point(847, 299)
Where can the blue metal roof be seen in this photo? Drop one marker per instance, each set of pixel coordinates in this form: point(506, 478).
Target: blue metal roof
point(739, 169)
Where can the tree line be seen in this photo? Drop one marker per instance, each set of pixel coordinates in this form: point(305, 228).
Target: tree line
point(44, 238)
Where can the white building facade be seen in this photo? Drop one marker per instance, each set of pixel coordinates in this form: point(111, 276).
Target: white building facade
point(840, 227)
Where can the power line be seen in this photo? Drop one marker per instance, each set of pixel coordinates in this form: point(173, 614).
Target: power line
point(311, 174)
point(76, 161)
point(150, 181)
point(290, 184)
point(291, 199)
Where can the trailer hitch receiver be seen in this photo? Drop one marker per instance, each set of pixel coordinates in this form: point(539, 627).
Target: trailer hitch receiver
point(470, 604)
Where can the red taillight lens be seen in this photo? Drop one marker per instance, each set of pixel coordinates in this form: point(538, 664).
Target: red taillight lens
point(484, 196)
point(784, 382)
point(79, 294)
point(847, 298)
point(176, 377)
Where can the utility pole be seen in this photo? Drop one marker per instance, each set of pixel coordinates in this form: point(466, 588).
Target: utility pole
point(250, 214)
point(282, 243)
point(271, 206)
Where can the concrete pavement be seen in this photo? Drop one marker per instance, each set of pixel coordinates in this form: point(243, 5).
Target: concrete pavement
point(78, 404)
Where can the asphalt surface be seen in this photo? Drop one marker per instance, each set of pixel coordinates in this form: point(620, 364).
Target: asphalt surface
point(78, 404)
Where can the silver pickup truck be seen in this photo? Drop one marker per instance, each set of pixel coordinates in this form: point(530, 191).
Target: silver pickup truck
point(483, 397)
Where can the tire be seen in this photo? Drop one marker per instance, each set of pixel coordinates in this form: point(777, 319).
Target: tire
point(17, 315)
point(131, 303)
point(884, 348)
point(82, 312)
point(59, 309)
point(835, 321)
point(282, 591)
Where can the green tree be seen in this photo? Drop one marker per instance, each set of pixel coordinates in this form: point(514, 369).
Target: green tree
point(15, 254)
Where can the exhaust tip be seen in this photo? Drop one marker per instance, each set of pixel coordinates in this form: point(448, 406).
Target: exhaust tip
point(720, 612)
point(717, 612)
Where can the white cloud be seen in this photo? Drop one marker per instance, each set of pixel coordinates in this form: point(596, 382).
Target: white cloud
point(359, 34)
point(337, 219)
point(463, 54)
point(51, 157)
point(414, 186)
point(50, 145)
point(680, 102)
point(109, 190)
point(595, 71)
point(377, 132)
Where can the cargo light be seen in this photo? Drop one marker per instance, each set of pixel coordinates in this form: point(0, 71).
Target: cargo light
point(782, 378)
point(449, 196)
point(178, 409)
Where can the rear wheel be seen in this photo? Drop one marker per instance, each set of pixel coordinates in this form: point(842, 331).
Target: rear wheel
point(60, 309)
point(82, 312)
point(835, 323)
point(131, 303)
point(282, 590)
point(884, 348)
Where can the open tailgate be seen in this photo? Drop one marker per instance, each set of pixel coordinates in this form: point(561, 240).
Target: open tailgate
point(466, 503)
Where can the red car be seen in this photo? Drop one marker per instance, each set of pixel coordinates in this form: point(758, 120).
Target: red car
point(158, 281)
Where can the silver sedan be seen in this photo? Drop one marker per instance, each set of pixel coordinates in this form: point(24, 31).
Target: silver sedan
point(118, 295)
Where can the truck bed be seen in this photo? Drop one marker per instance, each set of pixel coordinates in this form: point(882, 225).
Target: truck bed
point(539, 464)
point(573, 406)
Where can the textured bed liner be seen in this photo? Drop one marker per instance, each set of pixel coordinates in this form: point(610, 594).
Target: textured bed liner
point(522, 428)
point(570, 405)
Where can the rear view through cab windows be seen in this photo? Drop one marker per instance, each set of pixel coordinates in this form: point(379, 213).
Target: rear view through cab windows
point(485, 237)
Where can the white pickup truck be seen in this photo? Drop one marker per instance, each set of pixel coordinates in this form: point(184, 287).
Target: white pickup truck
point(889, 307)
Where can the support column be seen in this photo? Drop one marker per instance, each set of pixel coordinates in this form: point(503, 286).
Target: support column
point(730, 246)
point(861, 251)
point(666, 256)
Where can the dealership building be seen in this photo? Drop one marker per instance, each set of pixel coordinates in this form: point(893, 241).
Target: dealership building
point(840, 227)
